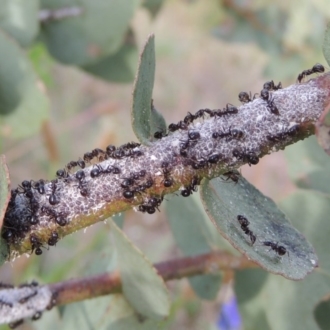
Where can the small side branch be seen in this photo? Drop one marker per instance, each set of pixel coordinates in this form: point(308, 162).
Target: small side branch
point(31, 300)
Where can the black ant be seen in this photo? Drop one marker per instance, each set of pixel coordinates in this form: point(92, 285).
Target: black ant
point(110, 149)
point(145, 185)
point(111, 169)
point(183, 148)
point(26, 184)
point(81, 163)
point(29, 296)
point(317, 68)
point(168, 182)
point(36, 316)
point(80, 175)
point(292, 131)
point(131, 145)
point(149, 183)
point(264, 94)
point(96, 171)
point(159, 134)
point(193, 135)
point(244, 222)
point(151, 205)
point(15, 324)
point(200, 113)
point(145, 208)
point(137, 175)
point(118, 153)
point(213, 159)
point(53, 239)
point(195, 182)
point(180, 125)
point(72, 164)
point(127, 183)
point(98, 153)
point(232, 175)
point(6, 286)
point(189, 118)
point(198, 164)
point(58, 217)
point(245, 97)
point(128, 194)
point(35, 244)
point(53, 200)
point(134, 153)
point(82, 186)
point(187, 191)
point(88, 156)
point(279, 249)
point(61, 173)
point(231, 134)
point(40, 187)
point(270, 85)
point(249, 156)
point(228, 110)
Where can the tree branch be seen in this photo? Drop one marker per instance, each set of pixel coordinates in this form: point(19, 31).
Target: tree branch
point(30, 300)
point(132, 176)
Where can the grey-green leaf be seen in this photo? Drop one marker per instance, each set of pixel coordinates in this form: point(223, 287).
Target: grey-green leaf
point(153, 6)
point(224, 201)
point(194, 236)
point(20, 90)
point(4, 199)
point(119, 67)
point(98, 30)
point(142, 93)
point(19, 19)
point(144, 289)
point(326, 44)
point(105, 313)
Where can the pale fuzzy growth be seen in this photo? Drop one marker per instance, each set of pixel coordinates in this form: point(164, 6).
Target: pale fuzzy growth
point(23, 302)
point(240, 138)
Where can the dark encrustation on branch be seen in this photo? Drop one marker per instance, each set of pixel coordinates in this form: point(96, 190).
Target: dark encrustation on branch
point(205, 144)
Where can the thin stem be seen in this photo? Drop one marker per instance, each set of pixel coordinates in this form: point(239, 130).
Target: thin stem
point(38, 298)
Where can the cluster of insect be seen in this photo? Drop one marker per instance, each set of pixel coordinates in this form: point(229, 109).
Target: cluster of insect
point(17, 225)
point(32, 291)
point(280, 250)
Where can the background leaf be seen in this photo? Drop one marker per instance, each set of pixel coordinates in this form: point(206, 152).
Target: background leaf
point(19, 19)
point(142, 92)
point(119, 67)
point(20, 90)
point(225, 201)
point(142, 286)
point(312, 169)
point(321, 314)
point(194, 236)
point(153, 6)
point(326, 44)
point(98, 31)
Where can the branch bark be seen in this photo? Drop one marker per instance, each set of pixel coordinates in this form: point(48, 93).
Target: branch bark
point(70, 203)
point(30, 300)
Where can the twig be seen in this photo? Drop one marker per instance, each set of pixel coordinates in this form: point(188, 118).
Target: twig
point(27, 301)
